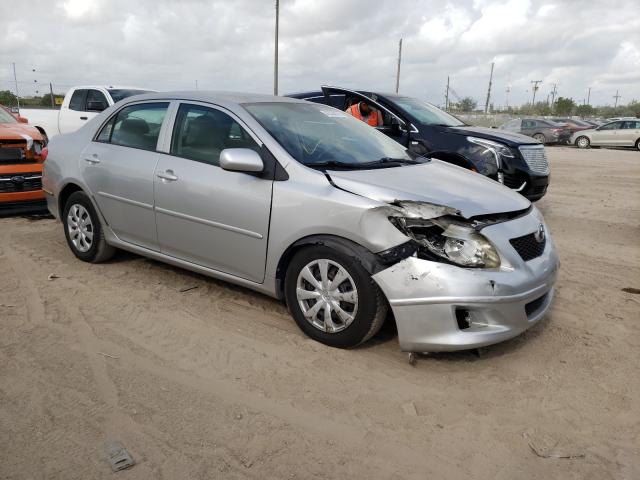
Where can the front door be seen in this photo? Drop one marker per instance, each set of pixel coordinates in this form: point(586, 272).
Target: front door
point(606, 134)
point(118, 167)
point(393, 125)
point(206, 215)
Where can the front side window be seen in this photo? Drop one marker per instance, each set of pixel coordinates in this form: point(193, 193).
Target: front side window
point(77, 100)
point(201, 133)
point(320, 135)
point(611, 126)
point(136, 126)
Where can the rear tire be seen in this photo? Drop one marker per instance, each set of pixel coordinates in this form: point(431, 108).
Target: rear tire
point(83, 230)
point(356, 306)
point(638, 144)
point(583, 142)
point(540, 137)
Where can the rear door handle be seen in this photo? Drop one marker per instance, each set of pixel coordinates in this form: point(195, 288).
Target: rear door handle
point(84, 118)
point(168, 175)
point(92, 159)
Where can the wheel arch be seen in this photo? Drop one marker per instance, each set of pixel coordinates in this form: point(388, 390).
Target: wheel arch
point(65, 193)
point(371, 262)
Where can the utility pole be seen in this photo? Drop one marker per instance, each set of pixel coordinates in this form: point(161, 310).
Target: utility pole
point(508, 90)
point(53, 105)
point(553, 93)
point(275, 59)
point(446, 96)
point(399, 61)
point(535, 89)
point(486, 105)
point(589, 97)
point(15, 79)
point(616, 96)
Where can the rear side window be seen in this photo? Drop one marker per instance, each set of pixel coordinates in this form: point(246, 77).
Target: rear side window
point(135, 126)
point(631, 125)
point(78, 100)
point(96, 101)
point(201, 133)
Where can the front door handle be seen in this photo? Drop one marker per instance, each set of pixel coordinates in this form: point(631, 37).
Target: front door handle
point(168, 176)
point(93, 159)
point(84, 118)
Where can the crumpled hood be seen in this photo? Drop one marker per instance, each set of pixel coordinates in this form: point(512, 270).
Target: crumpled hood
point(503, 136)
point(435, 182)
point(15, 131)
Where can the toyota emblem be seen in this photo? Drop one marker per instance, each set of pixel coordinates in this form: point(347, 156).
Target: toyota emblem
point(540, 235)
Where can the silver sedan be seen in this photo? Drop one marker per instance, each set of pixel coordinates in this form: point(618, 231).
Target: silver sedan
point(305, 203)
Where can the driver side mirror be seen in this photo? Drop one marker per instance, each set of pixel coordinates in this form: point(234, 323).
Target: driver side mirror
point(241, 160)
point(98, 106)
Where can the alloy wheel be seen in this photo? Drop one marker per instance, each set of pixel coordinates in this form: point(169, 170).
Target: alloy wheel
point(583, 142)
point(80, 227)
point(327, 295)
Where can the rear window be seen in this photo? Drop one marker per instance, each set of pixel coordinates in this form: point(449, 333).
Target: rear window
point(77, 100)
point(120, 93)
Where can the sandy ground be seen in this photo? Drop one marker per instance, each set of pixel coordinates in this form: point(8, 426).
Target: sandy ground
point(218, 382)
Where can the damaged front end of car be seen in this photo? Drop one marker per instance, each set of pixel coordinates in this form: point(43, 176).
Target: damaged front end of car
point(459, 283)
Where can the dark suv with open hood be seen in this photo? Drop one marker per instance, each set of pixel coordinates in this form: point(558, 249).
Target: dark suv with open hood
point(518, 161)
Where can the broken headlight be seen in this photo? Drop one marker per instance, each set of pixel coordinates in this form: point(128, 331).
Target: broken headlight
point(450, 240)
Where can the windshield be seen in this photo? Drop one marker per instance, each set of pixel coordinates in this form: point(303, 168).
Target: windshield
point(119, 93)
point(426, 113)
point(317, 135)
point(6, 117)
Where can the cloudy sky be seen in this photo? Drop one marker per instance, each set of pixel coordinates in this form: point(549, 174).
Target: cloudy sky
point(228, 45)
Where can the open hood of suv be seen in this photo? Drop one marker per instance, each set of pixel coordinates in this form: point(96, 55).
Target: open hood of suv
point(502, 136)
point(436, 183)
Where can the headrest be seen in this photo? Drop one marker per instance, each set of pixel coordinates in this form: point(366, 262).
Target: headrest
point(134, 125)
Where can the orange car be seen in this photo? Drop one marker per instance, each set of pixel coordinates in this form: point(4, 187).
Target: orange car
point(23, 150)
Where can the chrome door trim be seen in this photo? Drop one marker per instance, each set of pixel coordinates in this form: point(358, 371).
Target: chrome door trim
point(126, 200)
point(210, 223)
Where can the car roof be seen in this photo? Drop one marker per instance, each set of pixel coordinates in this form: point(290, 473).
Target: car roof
point(218, 97)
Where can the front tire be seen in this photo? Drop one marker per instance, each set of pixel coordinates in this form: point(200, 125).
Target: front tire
point(83, 230)
point(332, 298)
point(638, 144)
point(583, 142)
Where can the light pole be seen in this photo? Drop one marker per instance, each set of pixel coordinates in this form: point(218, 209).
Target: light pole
point(275, 59)
point(15, 79)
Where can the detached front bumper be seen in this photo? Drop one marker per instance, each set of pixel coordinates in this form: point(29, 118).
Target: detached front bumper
point(441, 307)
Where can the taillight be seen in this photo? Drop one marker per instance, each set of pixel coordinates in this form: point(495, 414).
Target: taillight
point(44, 153)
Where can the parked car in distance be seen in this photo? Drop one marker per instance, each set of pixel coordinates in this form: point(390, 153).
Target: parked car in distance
point(81, 104)
point(511, 159)
point(621, 133)
point(304, 202)
point(544, 131)
point(22, 152)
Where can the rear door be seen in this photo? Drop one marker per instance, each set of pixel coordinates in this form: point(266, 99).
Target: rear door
point(206, 215)
point(118, 166)
point(630, 133)
point(394, 125)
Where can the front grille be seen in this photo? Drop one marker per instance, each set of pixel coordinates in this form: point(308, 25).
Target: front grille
point(9, 155)
point(528, 247)
point(536, 158)
point(26, 182)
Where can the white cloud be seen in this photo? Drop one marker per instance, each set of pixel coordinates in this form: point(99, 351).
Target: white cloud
point(166, 44)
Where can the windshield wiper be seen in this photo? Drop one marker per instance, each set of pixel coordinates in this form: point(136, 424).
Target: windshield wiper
point(333, 163)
